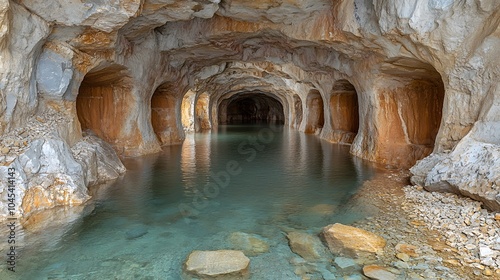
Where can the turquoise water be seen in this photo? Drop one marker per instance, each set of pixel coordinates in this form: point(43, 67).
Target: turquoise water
point(263, 180)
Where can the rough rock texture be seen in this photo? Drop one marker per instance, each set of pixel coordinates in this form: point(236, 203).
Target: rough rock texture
point(250, 244)
point(305, 245)
point(217, 264)
point(342, 239)
point(470, 230)
point(378, 273)
point(471, 169)
point(48, 172)
point(398, 80)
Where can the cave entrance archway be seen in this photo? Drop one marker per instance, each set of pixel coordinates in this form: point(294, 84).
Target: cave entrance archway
point(104, 101)
point(250, 108)
point(315, 118)
point(344, 112)
point(297, 105)
point(202, 113)
point(164, 115)
point(410, 111)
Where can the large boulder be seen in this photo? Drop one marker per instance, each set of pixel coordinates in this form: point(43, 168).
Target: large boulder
point(98, 158)
point(351, 241)
point(221, 264)
point(472, 169)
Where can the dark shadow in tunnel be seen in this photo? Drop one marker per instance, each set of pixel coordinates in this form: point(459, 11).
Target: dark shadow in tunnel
point(252, 108)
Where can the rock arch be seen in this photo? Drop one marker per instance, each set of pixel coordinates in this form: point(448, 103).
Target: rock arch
point(104, 101)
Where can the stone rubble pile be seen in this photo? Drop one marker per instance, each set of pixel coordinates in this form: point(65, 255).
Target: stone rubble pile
point(472, 232)
point(15, 142)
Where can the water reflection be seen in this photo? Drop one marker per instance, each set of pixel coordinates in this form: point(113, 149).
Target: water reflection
point(135, 230)
point(195, 161)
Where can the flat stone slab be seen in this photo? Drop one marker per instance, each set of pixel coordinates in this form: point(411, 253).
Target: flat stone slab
point(378, 273)
point(217, 263)
point(342, 239)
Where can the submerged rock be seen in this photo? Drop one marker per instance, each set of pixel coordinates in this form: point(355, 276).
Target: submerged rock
point(250, 244)
point(227, 264)
point(136, 232)
point(342, 239)
point(306, 245)
point(344, 262)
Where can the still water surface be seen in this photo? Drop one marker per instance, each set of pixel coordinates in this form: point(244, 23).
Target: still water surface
point(145, 224)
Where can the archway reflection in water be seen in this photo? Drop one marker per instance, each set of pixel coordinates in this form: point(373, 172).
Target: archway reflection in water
point(135, 229)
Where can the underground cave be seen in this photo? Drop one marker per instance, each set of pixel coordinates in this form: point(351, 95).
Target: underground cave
point(316, 139)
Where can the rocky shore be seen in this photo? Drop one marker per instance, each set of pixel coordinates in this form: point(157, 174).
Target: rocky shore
point(453, 237)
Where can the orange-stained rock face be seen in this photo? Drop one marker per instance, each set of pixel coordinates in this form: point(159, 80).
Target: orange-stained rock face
point(202, 116)
point(103, 110)
point(104, 105)
point(344, 113)
point(164, 118)
point(35, 199)
point(408, 121)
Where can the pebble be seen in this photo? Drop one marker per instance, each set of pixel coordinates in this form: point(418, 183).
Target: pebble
point(452, 262)
point(402, 256)
point(16, 141)
point(5, 150)
point(469, 230)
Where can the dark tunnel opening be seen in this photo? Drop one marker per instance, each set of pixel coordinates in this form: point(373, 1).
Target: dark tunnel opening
point(252, 109)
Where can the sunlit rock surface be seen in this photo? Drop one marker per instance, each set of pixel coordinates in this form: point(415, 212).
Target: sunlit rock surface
point(221, 264)
point(397, 80)
point(352, 241)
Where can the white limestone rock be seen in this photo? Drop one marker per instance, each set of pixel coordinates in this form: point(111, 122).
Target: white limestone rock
point(99, 160)
point(104, 15)
point(18, 53)
point(471, 169)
